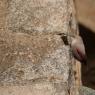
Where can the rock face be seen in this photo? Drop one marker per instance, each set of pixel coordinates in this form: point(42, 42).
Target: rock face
point(38, 61)
point(86, 91)
point(37, 16)
point(34, 59)
point(25, 57)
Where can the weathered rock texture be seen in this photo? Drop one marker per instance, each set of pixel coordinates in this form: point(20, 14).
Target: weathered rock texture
point(86, 91)
point(40, 61)
point(34, 59)
point(39, 16)
point(25, 57)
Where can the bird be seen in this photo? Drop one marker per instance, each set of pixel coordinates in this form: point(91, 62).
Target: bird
point(78, 49)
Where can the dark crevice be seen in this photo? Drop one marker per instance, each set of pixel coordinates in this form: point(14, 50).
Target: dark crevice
point(89, 41)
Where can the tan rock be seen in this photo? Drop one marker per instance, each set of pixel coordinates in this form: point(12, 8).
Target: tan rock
point(86, 13)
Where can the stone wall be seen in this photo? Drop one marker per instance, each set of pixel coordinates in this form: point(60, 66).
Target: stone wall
point(34, 58)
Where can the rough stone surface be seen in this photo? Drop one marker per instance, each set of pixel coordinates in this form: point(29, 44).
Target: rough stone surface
point(33, 57)
point(3, 13)
point(86, 91)
point(38, 16)
point(34, 60)
point(25, 57)
point(35, 89)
